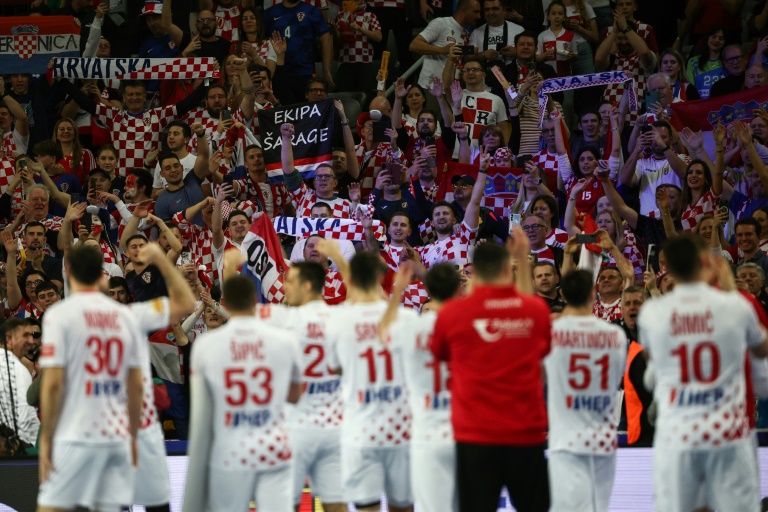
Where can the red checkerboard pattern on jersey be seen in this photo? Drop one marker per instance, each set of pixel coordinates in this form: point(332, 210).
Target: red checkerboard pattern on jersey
point(227, 19)
point(198, 240)
point(134, 136)
point(304, 197)
point(608, 312)
point(200, 115)
point(369, 168)
point(355, 46)
point(562, 42)
point(706, 205)
point(485, 109)
point(548, 163)
point(334, 291)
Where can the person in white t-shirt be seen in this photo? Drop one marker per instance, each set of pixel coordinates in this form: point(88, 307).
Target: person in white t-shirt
point(90, 396)
point(584, 371)
point(178, 135)
point(697, 338)
point(314, 422)
point(652, 163)
point(494, 41)
point(242, 375)
point(435, 41)
point(375, 430)
point(433, 457)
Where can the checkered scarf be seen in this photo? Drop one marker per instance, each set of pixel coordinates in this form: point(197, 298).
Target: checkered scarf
point(136, 69)
point(570, 83)
point(339, 229)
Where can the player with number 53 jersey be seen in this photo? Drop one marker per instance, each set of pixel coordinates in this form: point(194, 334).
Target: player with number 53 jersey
point(242, 375)
point(584, 370)
point(697, 341)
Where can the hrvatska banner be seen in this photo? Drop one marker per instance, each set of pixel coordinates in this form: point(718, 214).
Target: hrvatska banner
point(313, 131)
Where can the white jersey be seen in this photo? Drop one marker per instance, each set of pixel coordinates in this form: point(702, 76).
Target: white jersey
point(320, 403)
point(697, 338)
point(584, 371)
point(248, 368)
point(96, 341)
point(425, 378)
point(150, 316)
point(376, 413)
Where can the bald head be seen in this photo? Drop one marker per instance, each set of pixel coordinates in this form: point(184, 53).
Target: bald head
point(381, 104)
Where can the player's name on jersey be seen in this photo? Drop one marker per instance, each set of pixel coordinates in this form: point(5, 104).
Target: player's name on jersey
point(585, 339)
point(241, 351)
point(688, 324)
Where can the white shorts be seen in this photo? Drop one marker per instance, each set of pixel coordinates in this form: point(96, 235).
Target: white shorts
point(232, 491)
point(726, 476)
point(367, 472)
point(152, 485)
point(91, 476)
point(433, 477)
point(317, 456)
point(580, 482)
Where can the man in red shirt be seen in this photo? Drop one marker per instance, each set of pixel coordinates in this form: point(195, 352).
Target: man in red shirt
point(498, 411)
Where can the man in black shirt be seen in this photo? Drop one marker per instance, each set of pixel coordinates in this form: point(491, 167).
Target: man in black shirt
point(211, 45)
point(735, 64)
point(145, 282)
point(545, 281)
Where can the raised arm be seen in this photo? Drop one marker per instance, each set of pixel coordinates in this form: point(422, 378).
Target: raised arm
point(472, 215)
point(12, 289)
point(618, 204)
point(58, 196)
point(286, 149)
point(182, 302)
point(65, 239)
point(401, 91)
point(166, 21)
point(132, 226)
point(330, 249)
point(217, 229)
point(201, 169)
point(193, 210)
point(16, 110)
point(326, 48)
point(422, 47)
point(519, 247)
point(353, 166)
point(718, 169)
point(403, 277)
point(744, 132)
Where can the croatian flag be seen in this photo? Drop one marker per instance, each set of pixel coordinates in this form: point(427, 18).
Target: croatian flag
point(28, 43)
point(264, 260)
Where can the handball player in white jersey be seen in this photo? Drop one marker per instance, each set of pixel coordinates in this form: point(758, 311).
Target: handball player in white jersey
point(375, 431)
point(90, 395)
point(315, 421)
point(433, 453)
point(152, 484)
point(241, 377)
point(584, 370)
point(697, 341)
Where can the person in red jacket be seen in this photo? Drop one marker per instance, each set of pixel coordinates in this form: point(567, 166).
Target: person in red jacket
point(494, 340)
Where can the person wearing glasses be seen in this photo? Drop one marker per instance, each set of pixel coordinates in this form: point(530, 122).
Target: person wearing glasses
point(735, 65)
point(536, 229)
point(211, 45)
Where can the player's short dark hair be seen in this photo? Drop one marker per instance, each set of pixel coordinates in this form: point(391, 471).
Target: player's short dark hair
point(34, 224)
point(489, 261)
point(166, 156)
point(215, 86)
point(239, 294)
point(10, 325)
point(48, 147)
point(576, 287)
point(322, 204)
point(366, 269)
point(185, 129)
point(663, 124)
point(682, 254)
point(45, 286)
point(124, 84)
point(315, 80)
point(85, 264)
point(144, 179)
point(400, 214)
point(134, 237)
point(544, 263)
point(430, 112)
point(312, 272)
point(106, 147)
point(438, 204)
point(252, 147)
point(442, 281)
point(235, 213)
point(633, 289)
point(525, 33)
point(749, 221)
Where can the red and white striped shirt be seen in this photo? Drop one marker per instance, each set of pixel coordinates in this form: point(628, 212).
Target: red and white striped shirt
point(198, 240)
point(706, 205)
point(355, 46)
point(370, 164)
point(304, 197)
point(227, 20)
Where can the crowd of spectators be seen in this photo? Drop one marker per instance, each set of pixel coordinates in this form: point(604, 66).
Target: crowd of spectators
point(118, 164)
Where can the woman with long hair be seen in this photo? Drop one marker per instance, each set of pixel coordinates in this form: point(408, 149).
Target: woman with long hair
point(253, 45)
point(706, 67)
point(106, 158)
point(76, 159)
point(701, 193)
point(671, 64)
point(545, 206)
